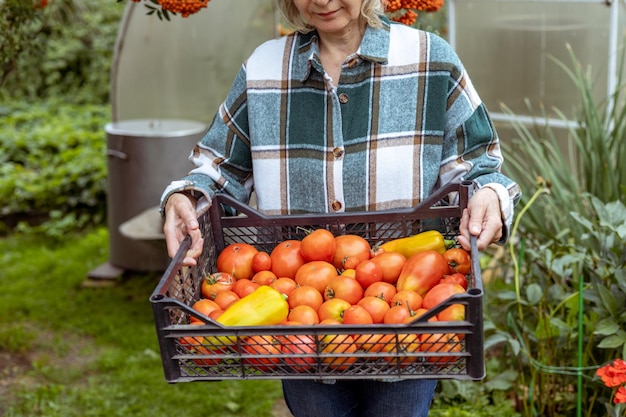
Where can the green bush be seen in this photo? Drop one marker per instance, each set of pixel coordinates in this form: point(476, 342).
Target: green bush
point(53, 166)
point(62, 50)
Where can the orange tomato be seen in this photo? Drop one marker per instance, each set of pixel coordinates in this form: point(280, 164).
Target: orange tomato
point(407, 298)
point(286, 258)
point(376, 342)
point(264, 277)
point(456, 278)
point(194, 345)
point(391, 264)
point(261, 345)
point(368, 272)
point(441, 292)
point(333, 309)
point(377, 307)
point(236, 259)
point(459, 260)
point(316, 274)
point(382, 290)
point(406, 344)
point(422, 271)
point(215, 283)
point(396, 314)
point(243, 287)
point(350, 250)
point(305, 295)
point(261, 261)
point(357, 314)
point(344, 287)
point(204, 306)
point(440, 343)
point(300, 345)
point(319, 245)
point(334, 344)
point(226, 298)
point(284, 285)
point(304, 314)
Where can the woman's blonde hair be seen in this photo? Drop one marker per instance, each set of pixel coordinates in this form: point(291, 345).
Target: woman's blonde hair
point(371, 10)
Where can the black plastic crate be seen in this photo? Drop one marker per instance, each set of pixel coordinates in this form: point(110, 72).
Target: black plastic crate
point(211, 351)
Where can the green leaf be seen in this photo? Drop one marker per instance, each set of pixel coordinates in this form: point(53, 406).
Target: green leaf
point(611, 342)
point(608, 299)
point(534, 293)
point(606, 327)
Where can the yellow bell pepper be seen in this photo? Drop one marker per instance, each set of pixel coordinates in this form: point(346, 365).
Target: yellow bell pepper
point(265, 306)
point(409, 246)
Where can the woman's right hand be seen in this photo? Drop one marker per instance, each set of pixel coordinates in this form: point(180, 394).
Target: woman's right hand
point(180, 221)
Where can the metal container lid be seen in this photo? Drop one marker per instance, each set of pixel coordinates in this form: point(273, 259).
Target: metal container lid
point(155, 127)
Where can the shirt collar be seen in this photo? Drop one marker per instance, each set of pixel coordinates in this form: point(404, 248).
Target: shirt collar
point(374, 47)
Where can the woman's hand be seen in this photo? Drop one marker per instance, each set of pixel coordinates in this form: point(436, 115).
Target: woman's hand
point(180, 221)
point(481, 218)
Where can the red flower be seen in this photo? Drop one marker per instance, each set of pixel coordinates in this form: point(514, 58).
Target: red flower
point(620, 395)
point(613, 374)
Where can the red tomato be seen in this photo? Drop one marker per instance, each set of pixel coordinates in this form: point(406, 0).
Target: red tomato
point(286, 258)
point(344, 287)
point(264, 277)
point(316, 274)
point(422, 271)
point(261, 261)
point(368, 272)
point(304, 314)
point(261, 345)
point(236, 259)
point(377, 307)
point(284, 285)
point(382, 290)
point(204, 306)
point(391, 263)
point(459, 260)
point(350, 250)
point(357, 314)
point(333, 309)
point(305, 295)
point(456, 278)
point(298, 344)
point(319, 245)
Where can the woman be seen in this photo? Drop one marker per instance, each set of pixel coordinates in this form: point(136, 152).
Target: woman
point(349, 113)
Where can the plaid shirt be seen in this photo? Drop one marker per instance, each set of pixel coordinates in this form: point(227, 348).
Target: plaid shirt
point(403, 119)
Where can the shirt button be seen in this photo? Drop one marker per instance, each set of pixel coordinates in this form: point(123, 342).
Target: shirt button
point(336, 205)
point(343, 98)
point(337, 152)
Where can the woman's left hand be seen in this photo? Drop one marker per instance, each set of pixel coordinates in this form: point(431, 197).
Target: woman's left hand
point(481, 218)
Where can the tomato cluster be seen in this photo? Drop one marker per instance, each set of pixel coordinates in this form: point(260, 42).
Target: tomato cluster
point(335, 280)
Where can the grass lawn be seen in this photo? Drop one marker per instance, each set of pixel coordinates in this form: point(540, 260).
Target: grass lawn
point(66, 350)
